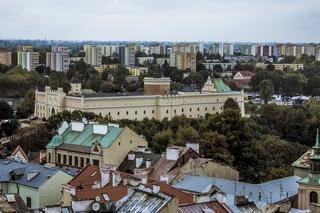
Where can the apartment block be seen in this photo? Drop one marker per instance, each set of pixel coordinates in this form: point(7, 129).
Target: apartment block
point(27, 59)
point(310, 49)
point(248, 49)
point(264, 50)
point(127, 55)
point(58, 59)
point(318, 53)
point(5, 58)
point(159, 49)
point(93, 55)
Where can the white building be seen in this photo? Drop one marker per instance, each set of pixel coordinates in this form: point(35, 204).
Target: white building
point(93, 55)
point(58, 59)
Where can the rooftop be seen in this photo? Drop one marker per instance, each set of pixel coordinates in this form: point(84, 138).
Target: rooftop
point(85, 135)
point(214, 206)
point(29, 174)
point(269, 192)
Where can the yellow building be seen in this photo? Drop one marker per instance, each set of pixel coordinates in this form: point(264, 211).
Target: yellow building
point(80, 143)
point(5, 58)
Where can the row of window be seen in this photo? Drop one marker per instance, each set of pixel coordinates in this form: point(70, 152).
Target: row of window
point(167, 111)
point(76, 161)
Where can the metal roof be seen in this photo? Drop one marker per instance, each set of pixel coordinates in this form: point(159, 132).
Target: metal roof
point(21, 170)
point(86, 137)
point(269, 192)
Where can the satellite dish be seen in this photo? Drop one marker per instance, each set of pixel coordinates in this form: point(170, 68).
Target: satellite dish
point(95, 206)
point(97, 198)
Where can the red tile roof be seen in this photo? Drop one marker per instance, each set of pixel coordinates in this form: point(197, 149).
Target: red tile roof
point(199, 207)
point(247, 73)
point(114, 193)
point(183, 197)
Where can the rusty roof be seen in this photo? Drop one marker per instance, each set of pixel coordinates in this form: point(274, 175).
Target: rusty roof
point(114, 193)
point(215, 206)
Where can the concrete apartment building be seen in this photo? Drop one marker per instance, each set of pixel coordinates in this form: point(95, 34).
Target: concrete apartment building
point(155, 102)
point(27, 59)
point(264, 50)
point(159, 49)
point(184, 57)
point(93, 55)
point(58, 59)
point(5, 58)
point(109, 50)
point(127, 55)
point(248, 49)
point(225, 66)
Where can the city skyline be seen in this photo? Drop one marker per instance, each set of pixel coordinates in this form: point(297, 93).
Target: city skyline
point(124, 20)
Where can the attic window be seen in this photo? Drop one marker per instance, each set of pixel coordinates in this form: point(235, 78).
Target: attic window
point(94, 173)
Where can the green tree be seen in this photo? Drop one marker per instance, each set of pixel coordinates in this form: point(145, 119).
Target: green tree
point(230, 103)
point(6, 111)
point(26, 107)
point(266, 90)
point(161, 140)
point(186, 135)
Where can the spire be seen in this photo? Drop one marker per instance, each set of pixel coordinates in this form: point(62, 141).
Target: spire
point(317, 145)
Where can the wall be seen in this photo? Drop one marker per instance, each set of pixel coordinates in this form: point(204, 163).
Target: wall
point(304, 194)
point(24, 192)
point(301, 172)
point(210, 169)
point(171, 207)
point(137, 107)
point(128, 140)
point(50, 191)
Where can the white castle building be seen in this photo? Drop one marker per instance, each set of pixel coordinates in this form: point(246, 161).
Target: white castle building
point(156, 102)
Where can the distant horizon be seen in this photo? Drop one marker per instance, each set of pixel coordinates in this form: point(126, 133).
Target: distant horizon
point(159, 41)
point(261, 21)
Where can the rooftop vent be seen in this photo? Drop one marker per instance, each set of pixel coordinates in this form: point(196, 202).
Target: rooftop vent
point(77, 126)
point(100, 129)
point(172, 153)
point(63, 128)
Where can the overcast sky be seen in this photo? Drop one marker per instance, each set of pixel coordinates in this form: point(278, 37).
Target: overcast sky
point(164, 20)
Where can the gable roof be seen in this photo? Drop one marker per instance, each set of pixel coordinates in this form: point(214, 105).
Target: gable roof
point(86, 137)
point(215, 206)
point(269, 192)
point(113, 193)
point(19, 149)
point(9, 167)
point(247, 73)
point(304, 160)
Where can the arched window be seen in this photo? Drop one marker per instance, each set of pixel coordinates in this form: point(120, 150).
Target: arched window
point(313, 197)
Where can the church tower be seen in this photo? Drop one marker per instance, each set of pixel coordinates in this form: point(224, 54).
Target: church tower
point(309, 187)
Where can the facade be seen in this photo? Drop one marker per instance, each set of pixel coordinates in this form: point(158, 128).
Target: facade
point(225, 66)
point(5, 58)
point(79, 143)
point(127, 55)
point(248, 49)
point(243, 75)
point(144, 60)
point(183, 61)
point(137, 105)
point(159, 49)
point(93, 55)
point(264, 50)
point(37, 185)
point(27, 59)
point(282, 67)
point(58, 59)
point(309, 186)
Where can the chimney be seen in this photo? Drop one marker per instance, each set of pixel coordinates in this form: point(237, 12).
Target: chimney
point(116, 178)
point(131, 156)
point(194, 146)
point(139, 161)
point(105, 176)
point(155, 188)
point(73, 190)
point(172, 153)
point(77, 126)
point(240, 200)
point(164, 178)
point(144, 180)
point(141, 149)
point(148, 151)
point(148, 163)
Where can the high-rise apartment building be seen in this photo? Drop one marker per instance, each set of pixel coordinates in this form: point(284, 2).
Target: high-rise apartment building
point(264, 50)
point(27, 59)
point(248, 49)
point(310, 50)
point(58, 59)
point(5, 58)
point(159, 49)
point(93, 55)
point(318, 53)
point(184, 57)
point(109, 50)
point(127, 55)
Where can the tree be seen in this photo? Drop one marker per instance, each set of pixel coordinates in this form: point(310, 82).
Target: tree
point(293, 83)
point(230, 103)
point(26, 107)
point(161, 140)
point(108, 87)
point(94, 82)
point(6, 111)
point(266, 90)
point(186, 135)
point(9, 127)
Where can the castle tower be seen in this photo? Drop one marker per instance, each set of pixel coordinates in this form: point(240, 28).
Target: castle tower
point(156, 86)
